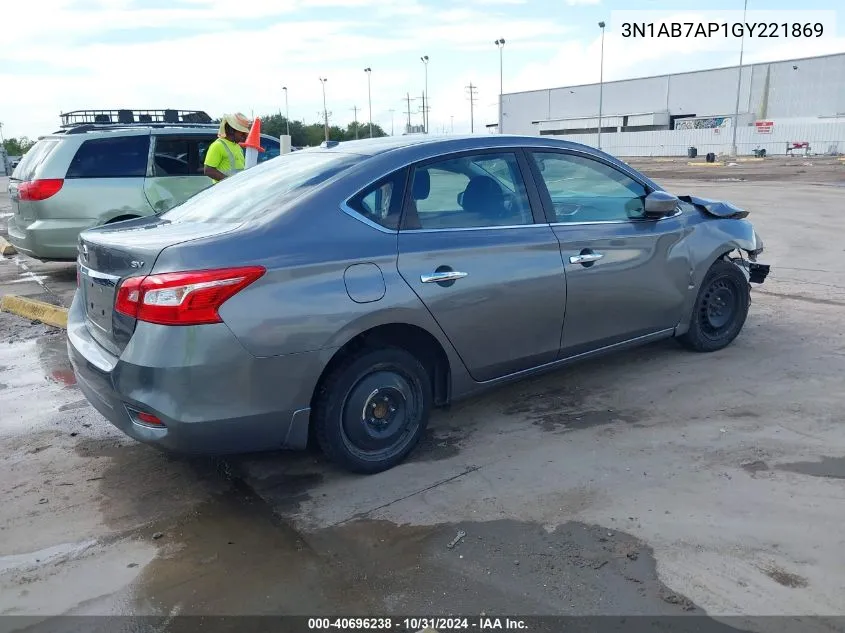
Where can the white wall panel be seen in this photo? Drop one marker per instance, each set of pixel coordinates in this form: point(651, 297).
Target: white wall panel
point(815, 88)
point(823, 138)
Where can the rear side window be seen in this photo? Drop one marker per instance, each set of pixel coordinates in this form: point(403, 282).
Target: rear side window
point(382, 202)
point(177, 156)
point(119, 157)
point(33, 159)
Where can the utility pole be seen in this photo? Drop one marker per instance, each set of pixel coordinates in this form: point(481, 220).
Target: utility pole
point(408, 98)
point(424, 122)
point(355, 115)
point(369, 72)
point(601, 81)
point(472, 91)
point(424, 60)
point(287, 111)
point(392, 110)
point(323, 81)
point(452, 122)
point(500, 43)
point(738, 82)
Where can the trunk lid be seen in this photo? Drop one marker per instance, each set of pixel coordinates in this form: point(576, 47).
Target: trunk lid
point(109, 254)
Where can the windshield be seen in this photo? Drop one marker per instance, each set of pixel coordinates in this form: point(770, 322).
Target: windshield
point(261, 188)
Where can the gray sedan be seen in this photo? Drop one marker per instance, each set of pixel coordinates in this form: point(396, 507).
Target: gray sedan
point(340, 293)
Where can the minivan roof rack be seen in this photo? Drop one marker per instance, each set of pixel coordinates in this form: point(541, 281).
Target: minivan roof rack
point(90, 127)
point(125, 117)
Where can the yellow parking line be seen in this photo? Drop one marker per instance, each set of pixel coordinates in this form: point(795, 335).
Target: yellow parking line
point(34, 310)
point(6, 248)
point(716, 164)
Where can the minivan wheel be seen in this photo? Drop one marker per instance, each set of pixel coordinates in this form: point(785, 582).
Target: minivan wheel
point(720, 309)
point(372, 409)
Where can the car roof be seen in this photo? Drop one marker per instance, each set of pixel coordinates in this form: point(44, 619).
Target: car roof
point(446, 143)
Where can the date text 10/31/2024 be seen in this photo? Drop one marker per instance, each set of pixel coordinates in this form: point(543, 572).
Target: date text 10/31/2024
point(418, 624)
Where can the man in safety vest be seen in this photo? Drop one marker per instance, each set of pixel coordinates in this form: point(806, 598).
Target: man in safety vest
point(225, 157)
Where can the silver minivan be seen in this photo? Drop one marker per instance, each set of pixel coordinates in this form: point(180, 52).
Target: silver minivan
point(91, 175)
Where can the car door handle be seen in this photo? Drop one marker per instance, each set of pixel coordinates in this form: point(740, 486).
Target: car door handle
point(585, 258)
point(449, 275)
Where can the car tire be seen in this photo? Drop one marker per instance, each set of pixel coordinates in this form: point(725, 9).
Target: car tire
point(720, 309)
point(372, 409)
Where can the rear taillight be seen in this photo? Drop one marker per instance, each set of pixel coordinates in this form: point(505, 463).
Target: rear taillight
point(185, 298)
point(35, 190)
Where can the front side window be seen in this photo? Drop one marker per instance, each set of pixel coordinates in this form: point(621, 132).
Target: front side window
point(113, 157)
point(586, 190)
point(467, 192)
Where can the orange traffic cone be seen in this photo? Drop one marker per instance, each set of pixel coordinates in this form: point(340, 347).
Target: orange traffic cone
point(253, 144)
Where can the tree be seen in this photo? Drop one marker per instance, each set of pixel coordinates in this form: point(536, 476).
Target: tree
point(312, 134)
point(363, 131)
point(17, 146)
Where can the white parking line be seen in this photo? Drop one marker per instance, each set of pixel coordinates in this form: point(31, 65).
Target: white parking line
point(28, 275)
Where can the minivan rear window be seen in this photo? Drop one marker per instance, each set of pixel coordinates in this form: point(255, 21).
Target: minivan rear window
point(33, 159)
point(118, 157)
point(259, 189)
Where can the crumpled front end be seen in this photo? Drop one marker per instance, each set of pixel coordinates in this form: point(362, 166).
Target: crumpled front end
point(749, 244)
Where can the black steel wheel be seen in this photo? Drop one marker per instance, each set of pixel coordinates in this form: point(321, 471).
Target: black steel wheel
point(720, 309)
point(372, 409)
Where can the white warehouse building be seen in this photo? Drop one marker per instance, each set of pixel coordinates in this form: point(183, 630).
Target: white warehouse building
point(780, 104)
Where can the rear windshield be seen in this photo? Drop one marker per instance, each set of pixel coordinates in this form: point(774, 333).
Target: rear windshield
point(261, 188)
point(33, 159)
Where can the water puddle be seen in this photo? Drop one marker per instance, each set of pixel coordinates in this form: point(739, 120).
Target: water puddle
point(37, 379)
point(828, 467)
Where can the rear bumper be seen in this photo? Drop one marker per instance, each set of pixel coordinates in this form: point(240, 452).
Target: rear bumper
point(211, 394)
point(47, 239)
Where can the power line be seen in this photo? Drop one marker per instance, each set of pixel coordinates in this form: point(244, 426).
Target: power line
point(472, 91)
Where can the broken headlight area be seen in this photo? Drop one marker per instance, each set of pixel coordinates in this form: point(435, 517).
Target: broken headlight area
point(756, 271)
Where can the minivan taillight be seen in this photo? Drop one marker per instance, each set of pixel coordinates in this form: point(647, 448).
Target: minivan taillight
point(183, 298)
point(35, 190)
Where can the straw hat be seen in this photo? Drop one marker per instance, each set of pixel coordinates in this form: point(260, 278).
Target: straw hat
point(236, 121)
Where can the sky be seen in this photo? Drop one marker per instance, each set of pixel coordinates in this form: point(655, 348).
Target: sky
point(236, 55)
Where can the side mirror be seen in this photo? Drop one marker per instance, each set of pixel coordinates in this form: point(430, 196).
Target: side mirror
point(659, 204)
point(461, 199)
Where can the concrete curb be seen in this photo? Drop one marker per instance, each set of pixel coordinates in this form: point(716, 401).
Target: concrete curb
point(34, 310)
point(716, 164)
point(6, 248)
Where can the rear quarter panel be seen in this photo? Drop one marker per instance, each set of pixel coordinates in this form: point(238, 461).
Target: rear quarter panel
point(301, 304)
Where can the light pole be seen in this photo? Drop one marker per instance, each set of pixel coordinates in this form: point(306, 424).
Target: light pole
point(369, 72)
point(287, 112)
point(424, 60)
point(392, 110)
point(738, 82)
point(501, 44)
point(601, 78)
point(323, 81)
